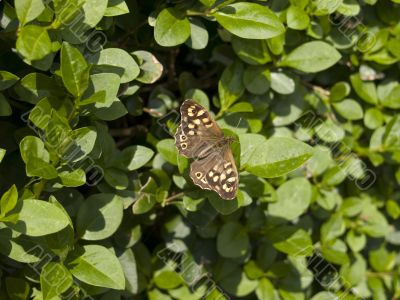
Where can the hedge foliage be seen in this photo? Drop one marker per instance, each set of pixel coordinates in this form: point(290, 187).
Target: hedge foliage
point(97, 204)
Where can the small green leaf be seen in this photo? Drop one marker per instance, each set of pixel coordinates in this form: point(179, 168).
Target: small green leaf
point(28, 10)
point(2, 154)
point(8, 200)
point(291, 240)
point(339, 91)
point(167, 279)
point(312, 57)
point(74, 70)
point(37, 218)
point(232, 240)
point(99, 216)
point(33, 42)
point(116, 8)
point(150, 68)
point(249, 20)
point(349, 109)
point(294, 197)
point(277, 156)
point(73, 178)
point(134, 157)
point(96, 265)
point(198, 35)
point(5, 107)
point(297, 18)
point(54, 280)
point(252, 52)
point(365, 90)
point(117, 61)
point(168, 150)
point(7, 80)
point(172, 28)
point(230, 86)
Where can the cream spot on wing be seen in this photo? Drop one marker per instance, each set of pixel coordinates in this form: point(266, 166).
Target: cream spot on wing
point(203, 180)
point(205, 120)
point(232, 179)
point(228, 164)
point(191, 126)
point(190, 114)
point(211, 173)
point(201, 112)
point(223, 176)
point(215, 179)
point(215, 168)
point(185, 119)
point(229, 171)
point(209, 125)
point(191, 132)
point(196, 121)
point(225, 187)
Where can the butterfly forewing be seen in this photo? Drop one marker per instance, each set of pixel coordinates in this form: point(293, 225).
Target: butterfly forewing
point(199, 137)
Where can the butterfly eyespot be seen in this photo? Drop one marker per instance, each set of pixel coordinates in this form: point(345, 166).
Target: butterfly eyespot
point(198, 174)
point(183, 137)
point(184, 146)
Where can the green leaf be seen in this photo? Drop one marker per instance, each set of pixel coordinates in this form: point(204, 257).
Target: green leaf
point(134, 157)
point(230, 86)
point(172, 28)
point(150, 68)
point(96, 265)
point(116, 8)
point(277, 156)
point(294, 197)
point(129, 266)
point(265, 289)
point(99, 216)
point(382, 260)
point(17, 288)
point(116, 178)
point(118, 61)
point(312, 57)
point(282, 84)
point(349, 109)
point(2, 154)
point(167, 279)
point(39, 167)
point(232, 240)
point(28, 10)
point(198, 35)
point(339, 91)
point(330, 131)
point(33, 42)
point(79, 144)
point(391, 137)
point(74, 70)
point(37, 218)
point(256, 79)
point(291, 240)
point(8, 201)
point(55, 279)
point(5, 107)
point(392, 98)
point(252, 52)
point(7, 80)
point(297, 18)
point(365, 90)
point(249, 20)
point(73, 178)
point(168, 150)
point(333, 228)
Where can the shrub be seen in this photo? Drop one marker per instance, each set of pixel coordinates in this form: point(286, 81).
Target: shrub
point(96, 202)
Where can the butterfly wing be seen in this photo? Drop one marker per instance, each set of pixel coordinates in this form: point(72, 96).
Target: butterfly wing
point(198, 132)
point(217, 172)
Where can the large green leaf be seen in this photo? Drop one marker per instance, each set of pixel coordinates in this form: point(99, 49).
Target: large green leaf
point(37, 218)
point(98, 266)
point(276, 157)
point(249, 20)
point(312, 57)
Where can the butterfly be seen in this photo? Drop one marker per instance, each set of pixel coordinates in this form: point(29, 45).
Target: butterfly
point(199, 137)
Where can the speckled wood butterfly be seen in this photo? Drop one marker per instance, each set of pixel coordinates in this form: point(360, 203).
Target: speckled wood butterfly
point(198, 136)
